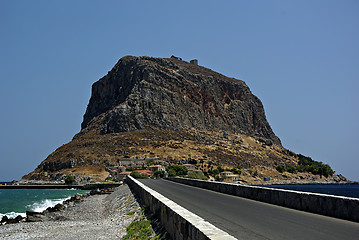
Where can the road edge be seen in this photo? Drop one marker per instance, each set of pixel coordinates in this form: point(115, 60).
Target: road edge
point(178, 221)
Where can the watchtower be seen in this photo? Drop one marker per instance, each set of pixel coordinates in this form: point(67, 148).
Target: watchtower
point(194, 61)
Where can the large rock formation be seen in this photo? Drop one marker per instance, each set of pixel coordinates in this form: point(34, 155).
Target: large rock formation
point(173, 94)
point(171, 111)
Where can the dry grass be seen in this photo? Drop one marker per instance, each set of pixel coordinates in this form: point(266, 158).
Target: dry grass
point(92, 152)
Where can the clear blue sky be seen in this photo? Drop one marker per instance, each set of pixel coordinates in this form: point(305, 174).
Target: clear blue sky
point(301, 58)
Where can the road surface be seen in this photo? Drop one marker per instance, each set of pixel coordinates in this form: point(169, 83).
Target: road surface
point(248, 219)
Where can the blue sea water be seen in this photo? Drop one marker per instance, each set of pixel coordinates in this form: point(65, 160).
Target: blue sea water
point(346, 190)
point(15, 202)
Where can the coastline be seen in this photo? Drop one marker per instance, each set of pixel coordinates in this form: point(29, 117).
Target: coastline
point(45, 185)
point(99, 216)
point(324, 181)
point(305, 183)
point(349, 190)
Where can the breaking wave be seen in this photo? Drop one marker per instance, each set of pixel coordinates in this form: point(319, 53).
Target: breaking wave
point(44, 204)
point(36, 207)
point(12, 215)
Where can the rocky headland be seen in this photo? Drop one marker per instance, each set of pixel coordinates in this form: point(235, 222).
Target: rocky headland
point(168, 111)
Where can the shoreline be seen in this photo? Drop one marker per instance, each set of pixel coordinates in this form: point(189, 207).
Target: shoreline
point(88, 186)
point(306, 183)
point(96, 216)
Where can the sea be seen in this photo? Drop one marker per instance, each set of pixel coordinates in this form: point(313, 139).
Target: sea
point(346, 190)
point(14, 202)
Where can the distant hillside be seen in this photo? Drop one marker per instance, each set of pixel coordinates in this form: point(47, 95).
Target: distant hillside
point(176, 111)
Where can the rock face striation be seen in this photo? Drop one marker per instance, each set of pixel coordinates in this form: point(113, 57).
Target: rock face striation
point(141, 92)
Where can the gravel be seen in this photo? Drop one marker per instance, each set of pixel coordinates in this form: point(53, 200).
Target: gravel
point(96, 217)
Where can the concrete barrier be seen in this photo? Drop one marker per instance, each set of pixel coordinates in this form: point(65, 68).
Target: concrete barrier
point(179, 223)
point(334, 206)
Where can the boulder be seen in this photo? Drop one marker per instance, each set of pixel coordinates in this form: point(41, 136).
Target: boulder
point(57, 207)
point(4, 219)
point(265, 141)
point(32, 216)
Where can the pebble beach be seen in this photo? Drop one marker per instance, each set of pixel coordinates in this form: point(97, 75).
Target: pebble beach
point(96, 217)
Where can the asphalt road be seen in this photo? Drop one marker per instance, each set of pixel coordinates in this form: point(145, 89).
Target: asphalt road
point(248, 219)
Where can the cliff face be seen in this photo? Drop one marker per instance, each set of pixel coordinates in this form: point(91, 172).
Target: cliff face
point(168, 109)
point(173, 94)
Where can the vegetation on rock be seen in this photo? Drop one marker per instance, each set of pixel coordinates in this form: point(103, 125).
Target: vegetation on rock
point(159, 174)
point(197, 175)
point(307, 164)
point(136, 174)
point(70, 179)
point(177, 170)
point(139, 230)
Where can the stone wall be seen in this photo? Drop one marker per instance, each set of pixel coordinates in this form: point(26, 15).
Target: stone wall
point(333, 206)
point(179, 222)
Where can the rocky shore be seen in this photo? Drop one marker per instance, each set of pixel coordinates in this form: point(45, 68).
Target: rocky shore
point(98, 216)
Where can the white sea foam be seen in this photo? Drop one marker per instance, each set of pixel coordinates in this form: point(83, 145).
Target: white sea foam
point(36, 207)
point(12, 215)
point(44, 204)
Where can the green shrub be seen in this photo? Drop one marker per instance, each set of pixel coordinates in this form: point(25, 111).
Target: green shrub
point(280, 168)
point(197, 175)
point(171, 173)
point(307, 164)
point(217, 178)
point(290, 153)
point(131, 213)
point(139, 230)
point(236, 171)
point(291, 169)
point(69, 179)
point(192, 161)
point(180, 170)
point(108, 178)
point(136, 174)
point(159, 174)
point(150, 162)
